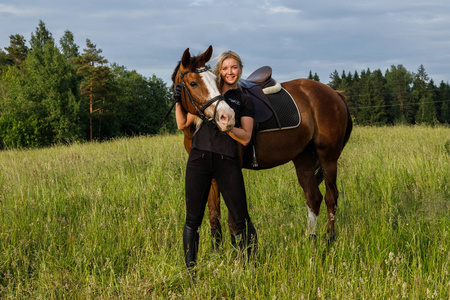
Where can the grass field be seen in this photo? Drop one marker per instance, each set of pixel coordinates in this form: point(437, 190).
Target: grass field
point(104, 221)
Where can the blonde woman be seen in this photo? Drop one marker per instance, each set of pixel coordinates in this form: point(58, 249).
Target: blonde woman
point(214, 154)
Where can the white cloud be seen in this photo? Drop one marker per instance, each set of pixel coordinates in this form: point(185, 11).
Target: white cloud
point(198, 3)
point(283, 9)
point(26, 11)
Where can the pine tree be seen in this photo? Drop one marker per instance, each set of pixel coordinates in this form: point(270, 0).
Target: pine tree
point(335, 80)
point(17, 50)
point(398, 84)
point(423, 97)
point(314, 77)
point(426, 113)
point(445, 111)
point(68, 46)
point(371, 101)
point(90, 65)
point(379, 97)
point(4, 62)
point(41, 37)
point(444, 101)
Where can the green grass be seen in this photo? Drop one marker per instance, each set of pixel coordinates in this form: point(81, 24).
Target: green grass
point(102, 221)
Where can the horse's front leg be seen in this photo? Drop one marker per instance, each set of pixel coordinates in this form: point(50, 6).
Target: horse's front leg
point(214, 216)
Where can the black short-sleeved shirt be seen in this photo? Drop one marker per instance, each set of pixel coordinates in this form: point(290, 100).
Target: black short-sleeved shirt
point(211, 139)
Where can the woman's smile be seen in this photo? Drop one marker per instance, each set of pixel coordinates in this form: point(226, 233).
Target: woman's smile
point(230, 71)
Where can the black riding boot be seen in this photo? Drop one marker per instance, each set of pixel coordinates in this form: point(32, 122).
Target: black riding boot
point(233, 240)
point(216, 238)
point(190, 245)
point(247, 241)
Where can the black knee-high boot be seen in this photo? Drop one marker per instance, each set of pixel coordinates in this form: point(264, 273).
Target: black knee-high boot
point(190, 245)
point(247, 241)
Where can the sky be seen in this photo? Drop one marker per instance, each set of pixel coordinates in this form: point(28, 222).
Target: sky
point(293, 37)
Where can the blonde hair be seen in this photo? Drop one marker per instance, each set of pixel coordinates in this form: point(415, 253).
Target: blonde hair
point(218, 66)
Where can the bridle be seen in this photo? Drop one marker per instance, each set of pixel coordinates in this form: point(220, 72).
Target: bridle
point(200, 108)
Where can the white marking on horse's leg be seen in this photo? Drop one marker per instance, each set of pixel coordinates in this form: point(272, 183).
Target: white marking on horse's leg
point(312, 222)
point(332, 216)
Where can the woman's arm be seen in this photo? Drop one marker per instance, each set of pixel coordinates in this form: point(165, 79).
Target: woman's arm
point(244, 134)
point(184, 119)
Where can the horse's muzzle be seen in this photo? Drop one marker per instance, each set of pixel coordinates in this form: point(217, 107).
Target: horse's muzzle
point(224, 116)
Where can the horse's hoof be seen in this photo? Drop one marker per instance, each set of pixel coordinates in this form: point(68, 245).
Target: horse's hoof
point(313, 238)
point(330, 236)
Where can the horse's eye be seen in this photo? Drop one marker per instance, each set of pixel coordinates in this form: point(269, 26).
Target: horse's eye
point(193, 84)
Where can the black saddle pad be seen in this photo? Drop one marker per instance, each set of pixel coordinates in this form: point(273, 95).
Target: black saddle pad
point(286, 109)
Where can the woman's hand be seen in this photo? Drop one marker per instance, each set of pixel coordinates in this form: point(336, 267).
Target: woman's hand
point(244, 134)
point(183, 118)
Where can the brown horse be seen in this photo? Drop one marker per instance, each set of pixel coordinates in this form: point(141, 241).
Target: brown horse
point(314, 146)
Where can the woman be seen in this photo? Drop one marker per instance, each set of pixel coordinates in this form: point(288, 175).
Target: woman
point(214, 154)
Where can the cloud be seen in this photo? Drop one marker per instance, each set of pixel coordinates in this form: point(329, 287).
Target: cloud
point(199, 3)
point(283, 9)
point(24, 11)
point(290, 35)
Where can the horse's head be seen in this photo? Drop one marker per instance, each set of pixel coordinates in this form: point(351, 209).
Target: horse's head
point(196, 86)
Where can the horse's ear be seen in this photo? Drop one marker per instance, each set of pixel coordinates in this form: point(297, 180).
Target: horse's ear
point(205, 57)
point(186, 60)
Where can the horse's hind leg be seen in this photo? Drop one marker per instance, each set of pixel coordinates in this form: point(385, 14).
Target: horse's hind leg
point(329, 168)
point(305, 165)
point(214, 216)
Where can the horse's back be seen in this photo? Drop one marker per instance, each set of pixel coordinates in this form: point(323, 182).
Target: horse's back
point(323, 107)
point(315, 92)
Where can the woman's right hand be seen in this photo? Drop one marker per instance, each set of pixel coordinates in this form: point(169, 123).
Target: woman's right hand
point(183, 118)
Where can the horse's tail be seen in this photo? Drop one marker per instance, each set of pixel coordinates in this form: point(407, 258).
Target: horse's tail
point(319, 173)
point(348, 131)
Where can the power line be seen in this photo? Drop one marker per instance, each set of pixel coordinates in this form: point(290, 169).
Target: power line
point(398, 104)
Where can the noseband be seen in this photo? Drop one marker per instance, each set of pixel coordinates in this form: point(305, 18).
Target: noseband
point(200, 108)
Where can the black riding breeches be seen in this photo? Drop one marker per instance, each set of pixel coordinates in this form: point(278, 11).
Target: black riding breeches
point(202, 167)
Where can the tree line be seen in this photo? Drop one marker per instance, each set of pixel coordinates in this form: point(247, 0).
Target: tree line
point(52, 94)
point(395, 97)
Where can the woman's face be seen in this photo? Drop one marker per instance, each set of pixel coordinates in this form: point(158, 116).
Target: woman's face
point(230, 71)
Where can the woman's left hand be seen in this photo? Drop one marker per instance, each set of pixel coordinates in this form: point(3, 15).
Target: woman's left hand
point(243, 134)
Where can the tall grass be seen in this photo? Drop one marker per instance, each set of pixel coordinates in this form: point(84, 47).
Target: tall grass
point(102, 221)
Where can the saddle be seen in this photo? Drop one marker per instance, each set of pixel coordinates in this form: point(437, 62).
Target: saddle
point(257, 86)
point(272, 103)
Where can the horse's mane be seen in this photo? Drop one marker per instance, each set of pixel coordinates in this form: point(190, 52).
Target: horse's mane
point(194, 65)
point(176, 71)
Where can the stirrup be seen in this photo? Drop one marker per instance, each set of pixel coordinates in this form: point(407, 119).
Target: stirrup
point(254, 162)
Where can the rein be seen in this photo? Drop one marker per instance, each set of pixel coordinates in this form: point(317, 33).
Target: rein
point(198, 106)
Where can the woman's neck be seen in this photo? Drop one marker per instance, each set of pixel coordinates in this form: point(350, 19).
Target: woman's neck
point(227, 87)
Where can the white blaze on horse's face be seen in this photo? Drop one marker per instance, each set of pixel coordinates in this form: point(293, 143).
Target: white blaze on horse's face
point(224, 116)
